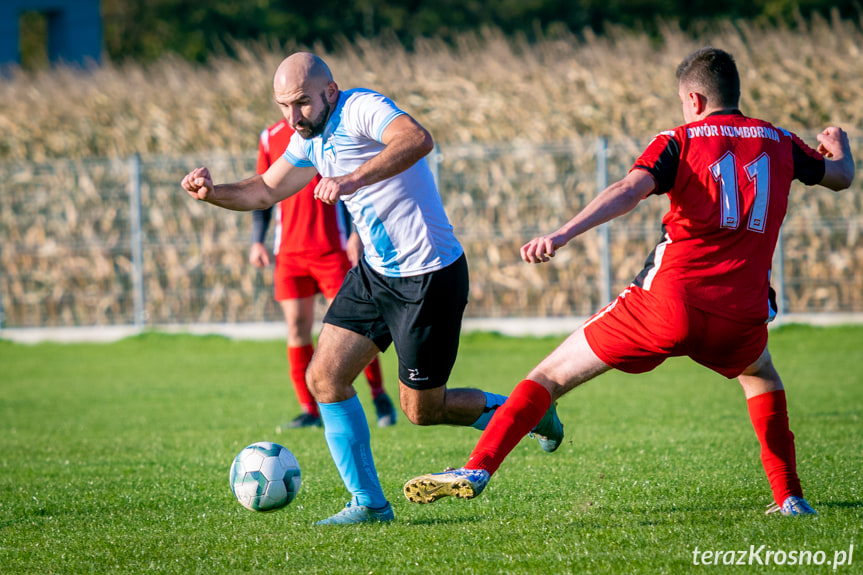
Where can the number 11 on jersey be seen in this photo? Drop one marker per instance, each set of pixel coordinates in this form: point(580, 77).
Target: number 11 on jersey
point(724, 171)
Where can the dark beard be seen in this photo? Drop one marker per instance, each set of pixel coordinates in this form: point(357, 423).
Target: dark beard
point(316, 127)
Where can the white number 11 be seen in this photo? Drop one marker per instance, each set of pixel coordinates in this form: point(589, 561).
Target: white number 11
point(724, 171)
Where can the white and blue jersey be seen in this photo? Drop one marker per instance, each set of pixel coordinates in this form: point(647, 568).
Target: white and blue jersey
point(400, 220)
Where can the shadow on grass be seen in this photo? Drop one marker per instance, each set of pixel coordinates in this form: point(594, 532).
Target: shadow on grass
point(443, 519)
point(840, 504)
point(34, 513)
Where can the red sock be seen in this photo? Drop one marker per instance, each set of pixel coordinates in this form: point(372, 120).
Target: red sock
point(299, 359)
point(376, 379)
point(522, 410)
point(769, 415)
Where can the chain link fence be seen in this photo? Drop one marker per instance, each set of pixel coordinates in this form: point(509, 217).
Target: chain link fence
point(117, 242)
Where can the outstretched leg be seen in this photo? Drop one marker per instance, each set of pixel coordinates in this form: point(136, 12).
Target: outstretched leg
point(768, 411)
point(567, 367)
point(471, 407)
point(443, 406)
point(571, 364)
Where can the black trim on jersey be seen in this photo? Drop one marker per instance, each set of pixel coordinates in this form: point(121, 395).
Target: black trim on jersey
point(734, 112)
point(664, 170)
point(650, 262)
point(807, 169)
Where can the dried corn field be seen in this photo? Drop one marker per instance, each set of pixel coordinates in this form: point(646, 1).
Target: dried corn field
point(516, 125)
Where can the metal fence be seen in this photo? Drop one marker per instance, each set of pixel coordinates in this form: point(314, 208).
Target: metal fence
point(117, 242)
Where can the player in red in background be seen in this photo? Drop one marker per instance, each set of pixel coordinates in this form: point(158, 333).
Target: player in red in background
point(314, 249)
point(704, 290)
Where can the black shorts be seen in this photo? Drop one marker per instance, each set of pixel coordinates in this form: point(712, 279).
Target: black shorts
point(421, 315)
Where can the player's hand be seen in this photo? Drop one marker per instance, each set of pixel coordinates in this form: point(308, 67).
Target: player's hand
point(329, 190)
point(833, 142)
point(259, 256)
point(541, 249)
point(198, 183)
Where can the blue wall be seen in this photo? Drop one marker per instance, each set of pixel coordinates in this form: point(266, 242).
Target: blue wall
point(74, 29)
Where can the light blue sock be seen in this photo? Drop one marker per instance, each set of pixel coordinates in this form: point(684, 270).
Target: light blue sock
point(492, 402)
point(347, 432)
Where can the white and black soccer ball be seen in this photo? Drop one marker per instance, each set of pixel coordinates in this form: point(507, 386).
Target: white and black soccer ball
point(265, 476)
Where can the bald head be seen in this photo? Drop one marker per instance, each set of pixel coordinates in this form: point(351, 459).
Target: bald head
point(301, 70)
point(303, 88)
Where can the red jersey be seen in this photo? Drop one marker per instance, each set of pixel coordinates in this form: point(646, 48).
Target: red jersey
point(304, 225)
point(728, 179)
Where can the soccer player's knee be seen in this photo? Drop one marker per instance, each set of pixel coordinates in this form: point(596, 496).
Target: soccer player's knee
point(424, 416)
point(315, 381)
point(763, 368)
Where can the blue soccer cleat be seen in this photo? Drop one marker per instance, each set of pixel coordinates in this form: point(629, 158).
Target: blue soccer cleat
point(792, 505)
point(353, 513)
point(462, 483)
point(549, 430)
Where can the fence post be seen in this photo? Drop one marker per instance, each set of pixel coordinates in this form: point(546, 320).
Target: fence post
point(434, 159)
point(604, 235)
point(780, 275)
point(2, 315)
point(136, 239)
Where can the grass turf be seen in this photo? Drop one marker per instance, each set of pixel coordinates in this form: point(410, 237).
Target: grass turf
point(115, 458)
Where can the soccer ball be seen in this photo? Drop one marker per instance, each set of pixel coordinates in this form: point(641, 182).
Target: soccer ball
point(265, 476)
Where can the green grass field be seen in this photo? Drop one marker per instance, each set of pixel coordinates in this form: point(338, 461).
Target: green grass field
point(115, 458)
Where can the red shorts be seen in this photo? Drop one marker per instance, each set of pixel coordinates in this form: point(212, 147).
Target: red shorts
point(300, 276)
point(639, 330)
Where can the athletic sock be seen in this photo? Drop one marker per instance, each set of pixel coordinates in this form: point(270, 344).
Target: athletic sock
point(376, 379)
point(299, 359)
point(524, 408)
point(492, 402)
point(347, 434)
point(769, 415)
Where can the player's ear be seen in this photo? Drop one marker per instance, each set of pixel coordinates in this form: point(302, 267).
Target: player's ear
point(699, 102)
point(694, 104)
point(691, 100)
point(332, 92)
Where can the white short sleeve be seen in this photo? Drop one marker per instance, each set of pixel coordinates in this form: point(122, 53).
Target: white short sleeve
point(296, 154)
point(369, 113)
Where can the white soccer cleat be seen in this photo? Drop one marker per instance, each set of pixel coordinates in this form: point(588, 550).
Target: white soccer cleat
point(354, 513)
point(792, 505)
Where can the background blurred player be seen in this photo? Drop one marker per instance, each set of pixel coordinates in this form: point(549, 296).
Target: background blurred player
point(704, 290)
point(314, 249)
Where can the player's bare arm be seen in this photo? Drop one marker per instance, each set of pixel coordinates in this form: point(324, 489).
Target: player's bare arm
point(616, 200)
point(406, 142)
point(839, 167)
point(280, 181)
